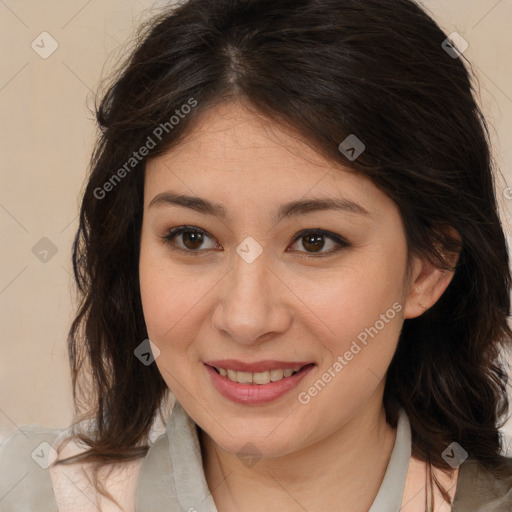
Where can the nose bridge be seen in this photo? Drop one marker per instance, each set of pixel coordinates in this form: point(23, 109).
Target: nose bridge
point(249, 306)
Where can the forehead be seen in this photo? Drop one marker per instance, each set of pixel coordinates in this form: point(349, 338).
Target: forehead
point(227, 134)
point(235, 152)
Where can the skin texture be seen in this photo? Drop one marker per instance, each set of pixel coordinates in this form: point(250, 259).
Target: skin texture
point(284, 306)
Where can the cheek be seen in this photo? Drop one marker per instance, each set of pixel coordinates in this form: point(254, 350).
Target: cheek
point(354, 295)
point(166, 304)
point(358, 310)
point(159, 292)
point(172, 295)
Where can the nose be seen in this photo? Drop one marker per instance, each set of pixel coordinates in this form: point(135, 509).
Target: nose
point(252, 306)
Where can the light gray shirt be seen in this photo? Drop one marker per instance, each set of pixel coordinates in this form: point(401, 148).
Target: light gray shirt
point(171, 476)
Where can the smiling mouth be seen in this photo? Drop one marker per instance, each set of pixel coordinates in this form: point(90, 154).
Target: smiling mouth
point(260, 378)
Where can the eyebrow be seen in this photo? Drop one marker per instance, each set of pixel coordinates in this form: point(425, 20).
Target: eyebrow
point(300, 207)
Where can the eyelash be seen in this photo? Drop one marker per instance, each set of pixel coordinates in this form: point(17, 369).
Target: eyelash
point(175, 232)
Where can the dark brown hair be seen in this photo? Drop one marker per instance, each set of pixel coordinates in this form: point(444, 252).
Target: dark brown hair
point(324, 69)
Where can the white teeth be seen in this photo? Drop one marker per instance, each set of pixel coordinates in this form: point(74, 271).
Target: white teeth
point(258, 377)
point(244, 377)
point(261, 377)
point(276, 375)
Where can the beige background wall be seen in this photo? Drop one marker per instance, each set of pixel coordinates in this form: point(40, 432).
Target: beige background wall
point(46, 136)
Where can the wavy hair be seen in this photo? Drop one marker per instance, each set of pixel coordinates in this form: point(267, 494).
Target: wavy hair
point(324, 69)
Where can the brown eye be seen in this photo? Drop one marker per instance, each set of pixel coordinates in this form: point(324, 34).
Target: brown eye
point(192, 238)
point(314, 240)
point(314, 243)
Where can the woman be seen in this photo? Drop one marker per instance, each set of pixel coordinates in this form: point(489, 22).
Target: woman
point(294, 202)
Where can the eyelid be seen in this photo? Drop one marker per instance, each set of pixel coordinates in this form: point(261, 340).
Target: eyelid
point(338, 239)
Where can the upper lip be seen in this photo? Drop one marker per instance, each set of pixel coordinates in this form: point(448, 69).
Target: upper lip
point(258, 366)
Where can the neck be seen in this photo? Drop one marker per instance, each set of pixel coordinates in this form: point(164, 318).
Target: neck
point(347, 467)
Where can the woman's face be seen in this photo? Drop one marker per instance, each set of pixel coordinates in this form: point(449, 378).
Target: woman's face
point(240, 289)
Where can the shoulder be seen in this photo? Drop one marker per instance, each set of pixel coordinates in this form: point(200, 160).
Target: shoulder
point(480, 489)
point(30, 479)
point(24, 459)
point(73, 483)
point(27, 437)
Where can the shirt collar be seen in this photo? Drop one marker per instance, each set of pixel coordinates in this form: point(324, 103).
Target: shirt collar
point(173, 472)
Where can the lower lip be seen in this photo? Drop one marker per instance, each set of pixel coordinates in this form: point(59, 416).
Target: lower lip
point(256, 393)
